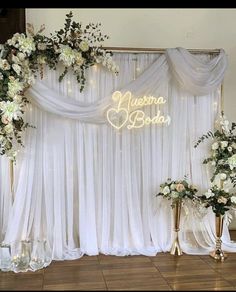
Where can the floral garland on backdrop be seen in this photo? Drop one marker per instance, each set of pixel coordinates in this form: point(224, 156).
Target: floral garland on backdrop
point(220, 196)
point(24, 55)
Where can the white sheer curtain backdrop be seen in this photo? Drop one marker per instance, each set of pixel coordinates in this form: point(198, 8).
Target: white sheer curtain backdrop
point(88, 188)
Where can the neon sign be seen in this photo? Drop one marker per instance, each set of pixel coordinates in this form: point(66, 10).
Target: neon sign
point(126, 111)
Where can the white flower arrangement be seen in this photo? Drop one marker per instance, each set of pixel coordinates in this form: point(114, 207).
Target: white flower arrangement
point(24, 55)
point(177, 189)
point(220, 196)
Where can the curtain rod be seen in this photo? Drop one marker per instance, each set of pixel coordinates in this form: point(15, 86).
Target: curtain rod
point(158, 50)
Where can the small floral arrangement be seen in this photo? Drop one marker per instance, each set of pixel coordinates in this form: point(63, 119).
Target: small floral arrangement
point(24, 55)
point(176, 190)
point(223, 152)
point(220, 200)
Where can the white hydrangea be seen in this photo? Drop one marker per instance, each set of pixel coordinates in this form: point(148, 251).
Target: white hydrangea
point(84, 46)
point(10, 110)
point(14, 87)
point(26, 44)
point(67, 55)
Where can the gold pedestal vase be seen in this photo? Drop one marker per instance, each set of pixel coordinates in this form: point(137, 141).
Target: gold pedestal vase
point(218, 253)
point(175, 248)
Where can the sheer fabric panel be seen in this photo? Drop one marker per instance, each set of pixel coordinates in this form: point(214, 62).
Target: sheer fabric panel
point(88, 188)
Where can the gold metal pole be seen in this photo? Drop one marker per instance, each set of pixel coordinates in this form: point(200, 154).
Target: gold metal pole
point(175, 248)
point(218, 253)
point(159, 50)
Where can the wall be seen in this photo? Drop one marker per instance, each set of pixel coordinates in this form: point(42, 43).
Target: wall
point(160, 28)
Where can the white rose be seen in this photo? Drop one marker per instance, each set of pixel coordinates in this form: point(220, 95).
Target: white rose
point(209, 194)
point(84, 46)
point(224, 144)
point(233, 199)
point(8, 128)
point(172, 187)
point(215, 146)
point(16, 68)
point(230, 149)
point(223, 176)
point(21, 56)
point(4, 65)
point(222, 200)
point(166, 190)
point(213, 163)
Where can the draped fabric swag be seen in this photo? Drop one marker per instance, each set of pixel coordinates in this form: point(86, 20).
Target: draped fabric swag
point(88, 188)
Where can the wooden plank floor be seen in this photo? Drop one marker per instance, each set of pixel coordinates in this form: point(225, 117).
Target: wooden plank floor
point(162, 272)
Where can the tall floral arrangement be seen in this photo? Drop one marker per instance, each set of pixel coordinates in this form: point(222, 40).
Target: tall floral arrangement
point(220, 196)
point(25, 54)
